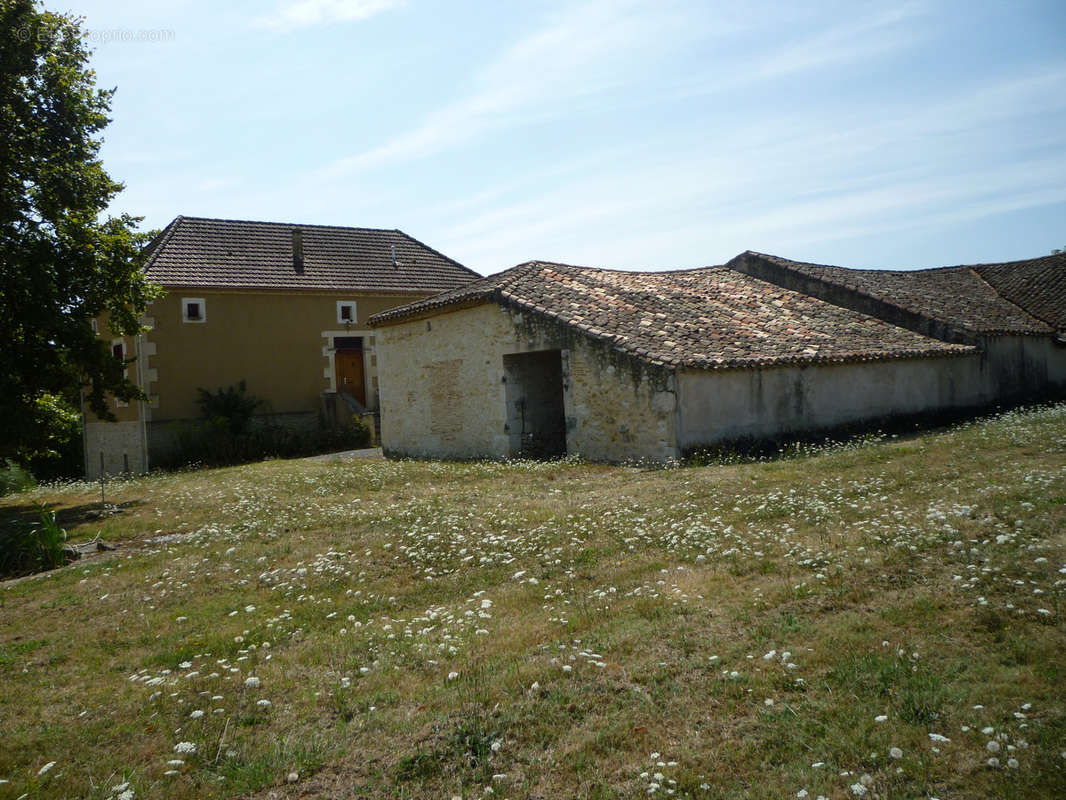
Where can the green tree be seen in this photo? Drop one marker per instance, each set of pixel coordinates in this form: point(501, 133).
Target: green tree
point(62, 262)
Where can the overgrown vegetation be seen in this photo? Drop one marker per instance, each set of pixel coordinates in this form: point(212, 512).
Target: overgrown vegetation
point(32, 546)
point(883, 619)
point(231, 433)
point(14, 478)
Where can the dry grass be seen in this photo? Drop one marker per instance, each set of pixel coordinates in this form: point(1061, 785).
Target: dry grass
point(614, 632)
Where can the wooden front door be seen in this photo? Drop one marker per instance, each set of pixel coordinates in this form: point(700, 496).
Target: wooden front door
point(349, 367)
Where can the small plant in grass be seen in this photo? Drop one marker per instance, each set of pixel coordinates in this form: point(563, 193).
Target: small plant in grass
point(14, 478)
point(34, 546)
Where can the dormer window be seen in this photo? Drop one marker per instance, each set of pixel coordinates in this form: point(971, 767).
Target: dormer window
point(346, 312)
point(193, 309)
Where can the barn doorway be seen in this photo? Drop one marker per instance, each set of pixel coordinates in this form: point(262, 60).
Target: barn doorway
point(348, 367)
point(536, 418)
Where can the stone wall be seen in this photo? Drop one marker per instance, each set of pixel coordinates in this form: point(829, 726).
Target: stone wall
point(1023, 367)
point(444, 393)
point(737, 404)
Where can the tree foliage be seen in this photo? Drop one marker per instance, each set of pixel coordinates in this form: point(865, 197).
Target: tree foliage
point(61, 263)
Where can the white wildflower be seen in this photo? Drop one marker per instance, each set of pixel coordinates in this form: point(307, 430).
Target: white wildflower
point(185, 747)
point(252, 682)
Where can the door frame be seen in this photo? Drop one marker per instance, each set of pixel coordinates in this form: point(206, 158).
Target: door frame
point(329, 372)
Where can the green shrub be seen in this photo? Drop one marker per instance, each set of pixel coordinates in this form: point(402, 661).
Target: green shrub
point(34, 546)
point(232, 407)
point(14, 478)
point(212, 442)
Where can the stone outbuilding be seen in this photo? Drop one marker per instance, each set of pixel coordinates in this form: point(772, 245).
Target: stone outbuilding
point(549, 359)
point(1014, 312)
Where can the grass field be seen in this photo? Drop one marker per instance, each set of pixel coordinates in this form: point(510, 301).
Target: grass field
point(885, 619)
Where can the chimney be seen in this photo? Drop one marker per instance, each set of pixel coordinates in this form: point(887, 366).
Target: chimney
point(297, 251)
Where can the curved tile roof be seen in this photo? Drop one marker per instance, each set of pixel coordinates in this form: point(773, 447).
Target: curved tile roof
point(237, 254)
point(1037, 285)
point(957, 296)
point(708, 318)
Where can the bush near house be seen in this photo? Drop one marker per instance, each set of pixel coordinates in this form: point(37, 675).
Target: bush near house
point(230, 433)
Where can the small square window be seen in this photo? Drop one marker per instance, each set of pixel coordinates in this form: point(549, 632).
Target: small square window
point(193, 309)
point(346, 312)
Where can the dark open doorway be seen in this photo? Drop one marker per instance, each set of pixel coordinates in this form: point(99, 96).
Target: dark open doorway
point(535, 416)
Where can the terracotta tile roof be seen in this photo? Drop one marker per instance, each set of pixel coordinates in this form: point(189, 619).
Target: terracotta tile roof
point(1037, 285)
point(235, 254)
point(707, 318)
point(956, 296)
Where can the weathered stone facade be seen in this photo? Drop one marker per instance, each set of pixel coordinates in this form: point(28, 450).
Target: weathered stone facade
point(444, 390)
point(548, 359)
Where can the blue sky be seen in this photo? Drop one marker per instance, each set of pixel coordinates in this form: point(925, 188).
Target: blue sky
point(617, 133)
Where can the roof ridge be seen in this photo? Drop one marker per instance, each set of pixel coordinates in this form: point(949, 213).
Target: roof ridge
point(904, 269)
point(677, 271)
point(299, 225)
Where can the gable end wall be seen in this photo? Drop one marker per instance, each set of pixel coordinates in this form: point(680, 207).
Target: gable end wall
point(443, 392)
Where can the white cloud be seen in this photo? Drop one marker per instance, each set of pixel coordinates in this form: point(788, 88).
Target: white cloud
point(303, 13)
point(779, 187)
point(856, 40)
point(581, 52)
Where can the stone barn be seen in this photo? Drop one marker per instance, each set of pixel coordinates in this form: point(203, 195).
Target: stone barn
point(1014, 313)
point(548, 359)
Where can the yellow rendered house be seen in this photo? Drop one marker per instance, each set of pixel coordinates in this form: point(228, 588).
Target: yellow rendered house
point(279, 306)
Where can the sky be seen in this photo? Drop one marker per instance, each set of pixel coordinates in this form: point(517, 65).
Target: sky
point(614, 133)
